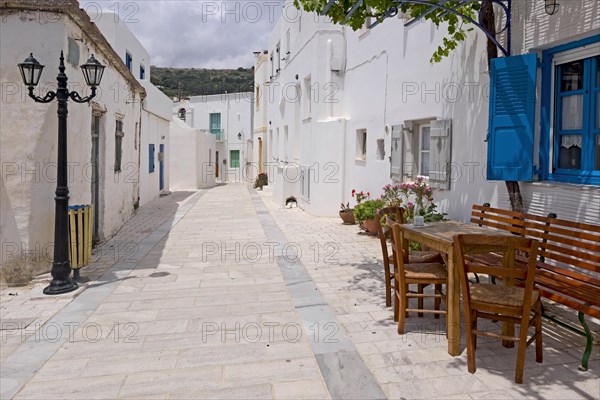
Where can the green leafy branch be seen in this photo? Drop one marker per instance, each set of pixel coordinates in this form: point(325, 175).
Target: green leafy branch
point(380, 9)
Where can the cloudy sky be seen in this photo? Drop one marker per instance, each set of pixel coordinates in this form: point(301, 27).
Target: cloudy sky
point(200, 33)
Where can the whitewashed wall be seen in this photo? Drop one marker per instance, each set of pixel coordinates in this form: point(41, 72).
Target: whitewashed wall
point(389, 80)
point(205, 160)
point(117, 30)
point(237, 110)
point(260, 123)
point(191, 167)
point(156, 107)
point(315, 139)
point(155, 126)
point(28, 130)
point(395, 84)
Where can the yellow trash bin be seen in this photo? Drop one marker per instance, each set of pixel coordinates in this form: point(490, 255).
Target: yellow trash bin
point(81, 222)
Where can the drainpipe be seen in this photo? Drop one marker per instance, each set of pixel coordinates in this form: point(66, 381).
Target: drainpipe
point(328, 56)
point(344, 184)
point(139, 141)
point(252, 108)
point(227, 135)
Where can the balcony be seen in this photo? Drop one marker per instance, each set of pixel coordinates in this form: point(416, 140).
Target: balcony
point(219, 133)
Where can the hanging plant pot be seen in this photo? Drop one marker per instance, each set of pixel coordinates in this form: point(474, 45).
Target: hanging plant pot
point(348, 217)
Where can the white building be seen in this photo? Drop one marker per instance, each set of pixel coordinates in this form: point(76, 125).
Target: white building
point(261, 98)
point(229, 117)
point(373, 110)
point(105, 139)
point(156, 107)
point(306, 120)
point(193, 167)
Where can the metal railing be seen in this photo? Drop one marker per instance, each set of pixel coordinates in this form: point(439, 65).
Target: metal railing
point(219, 133)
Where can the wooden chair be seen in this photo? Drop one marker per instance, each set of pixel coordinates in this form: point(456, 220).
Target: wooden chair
point(504, 302)
point(421, 274)
point(397, 214)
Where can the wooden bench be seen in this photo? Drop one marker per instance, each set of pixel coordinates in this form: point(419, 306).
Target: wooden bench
point(569, 263)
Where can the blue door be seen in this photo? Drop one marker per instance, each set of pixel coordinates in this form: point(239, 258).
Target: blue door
point(161, 167)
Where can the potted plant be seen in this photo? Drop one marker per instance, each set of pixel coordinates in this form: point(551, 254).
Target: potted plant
point(365, 214)
point(347, 214)
point(261, 180)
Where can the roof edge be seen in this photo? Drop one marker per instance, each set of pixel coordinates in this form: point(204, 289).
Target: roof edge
point(71, 9)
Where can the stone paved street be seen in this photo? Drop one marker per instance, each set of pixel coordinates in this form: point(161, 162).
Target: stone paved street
point(227, 295)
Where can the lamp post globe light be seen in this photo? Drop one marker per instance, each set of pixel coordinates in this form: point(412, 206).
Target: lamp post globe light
point(551, 6)
point(31, 71)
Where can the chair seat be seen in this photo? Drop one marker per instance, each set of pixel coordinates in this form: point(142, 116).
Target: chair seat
point(420, 257)
point(424, 257)
point(425, 271)
point(511, 296)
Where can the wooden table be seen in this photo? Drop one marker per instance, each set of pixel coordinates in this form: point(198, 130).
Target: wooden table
point(439, 236)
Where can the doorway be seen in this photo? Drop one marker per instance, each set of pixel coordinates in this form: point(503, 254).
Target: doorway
point(95, 175)
point(260, 152)
point(215, 125)
point(216, 164)
point(161, 167)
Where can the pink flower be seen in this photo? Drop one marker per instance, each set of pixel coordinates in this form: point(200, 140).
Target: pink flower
point(410, 205)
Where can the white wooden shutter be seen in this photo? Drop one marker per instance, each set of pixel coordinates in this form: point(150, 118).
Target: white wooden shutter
point(409, 166)
point(440, 152)
point(396, 153)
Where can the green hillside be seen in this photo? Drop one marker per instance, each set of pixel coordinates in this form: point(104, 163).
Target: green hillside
point(200, 81)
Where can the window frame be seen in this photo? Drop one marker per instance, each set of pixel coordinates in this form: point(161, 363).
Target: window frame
point(307, 96)
point(380, 146)
point(278, 55)
point(361, 144)
point(118, 145)
point(420, 150)
point(257, 98)
point(231, 159)
point(151, 153)
point(212, 117)
point(128, 60)
point(549, 115)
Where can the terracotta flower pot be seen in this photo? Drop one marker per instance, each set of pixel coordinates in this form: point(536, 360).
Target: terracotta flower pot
point(370, 226)
point(348, 217)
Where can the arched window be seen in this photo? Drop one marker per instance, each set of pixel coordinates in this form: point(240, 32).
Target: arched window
point(182, 114)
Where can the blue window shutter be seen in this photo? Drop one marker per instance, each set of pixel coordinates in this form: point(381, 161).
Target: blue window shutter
point(512, 118)
point(151, 158)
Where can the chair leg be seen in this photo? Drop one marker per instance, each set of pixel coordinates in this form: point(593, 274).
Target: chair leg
point(438, 300)
point(420, 301)
point(396, 301)
point(521, 353)
point(539, 357)
point(471, 319)
point(388, 284)
point(402, 313)
point(474, 327)
point(404, 298)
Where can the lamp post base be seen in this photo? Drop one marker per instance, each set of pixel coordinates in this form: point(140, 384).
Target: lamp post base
point(60, 287)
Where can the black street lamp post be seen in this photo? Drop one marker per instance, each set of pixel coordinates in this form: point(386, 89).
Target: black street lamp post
point(31, 71)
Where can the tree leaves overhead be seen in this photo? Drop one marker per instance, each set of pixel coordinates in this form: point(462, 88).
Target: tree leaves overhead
point(200, 81)
point(379, 9)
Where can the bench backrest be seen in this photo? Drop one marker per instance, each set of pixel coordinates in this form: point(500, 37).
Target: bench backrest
point(569, 262)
